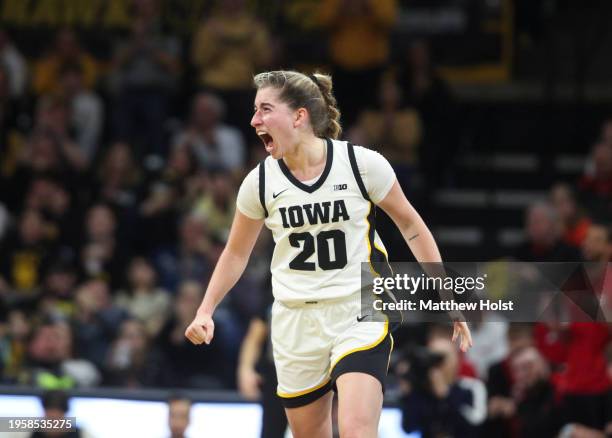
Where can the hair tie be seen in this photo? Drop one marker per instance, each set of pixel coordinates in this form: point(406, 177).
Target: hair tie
point(314, 79)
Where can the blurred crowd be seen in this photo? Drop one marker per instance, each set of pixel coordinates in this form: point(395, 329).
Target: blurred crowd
point(117, 191)
point(543, 379)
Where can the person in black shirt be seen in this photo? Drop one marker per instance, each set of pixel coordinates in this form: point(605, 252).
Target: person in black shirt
point(544, 243)
point(55, 404)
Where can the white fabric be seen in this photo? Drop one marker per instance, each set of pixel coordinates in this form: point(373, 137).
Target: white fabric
point(377, 174)
point(310, 339)
point(339, 196)
point(477, 412)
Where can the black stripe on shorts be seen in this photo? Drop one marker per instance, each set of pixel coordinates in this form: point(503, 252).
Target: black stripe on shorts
point(374, 361)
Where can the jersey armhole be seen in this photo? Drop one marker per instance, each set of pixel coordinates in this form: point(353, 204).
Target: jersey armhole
point(356, 174)
point(262, 185)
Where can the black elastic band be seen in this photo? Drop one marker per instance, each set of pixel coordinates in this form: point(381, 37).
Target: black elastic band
point(262, 185)
point(351, 154)
point(314, 79)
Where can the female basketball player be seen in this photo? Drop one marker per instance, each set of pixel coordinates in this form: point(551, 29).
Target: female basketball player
point(318, 196)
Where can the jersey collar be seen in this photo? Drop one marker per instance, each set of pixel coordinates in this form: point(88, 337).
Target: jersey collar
point(299, 184)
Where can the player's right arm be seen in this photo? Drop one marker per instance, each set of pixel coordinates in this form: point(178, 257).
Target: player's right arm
point(229, 268)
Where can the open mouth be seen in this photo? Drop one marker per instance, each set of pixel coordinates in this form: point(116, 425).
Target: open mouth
point(267, 140)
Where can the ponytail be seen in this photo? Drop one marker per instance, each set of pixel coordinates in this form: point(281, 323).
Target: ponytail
point(324, 83)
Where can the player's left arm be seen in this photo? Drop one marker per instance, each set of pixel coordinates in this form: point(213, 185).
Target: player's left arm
point(411, 225)
point(420, 240)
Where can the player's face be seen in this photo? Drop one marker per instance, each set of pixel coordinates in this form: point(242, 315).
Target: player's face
point(274, 122)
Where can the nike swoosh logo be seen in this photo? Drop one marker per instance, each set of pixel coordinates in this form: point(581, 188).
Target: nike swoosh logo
point(274, 195)
point(361, 318)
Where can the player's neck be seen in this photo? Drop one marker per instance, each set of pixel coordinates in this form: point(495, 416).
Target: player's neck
point(307, 157)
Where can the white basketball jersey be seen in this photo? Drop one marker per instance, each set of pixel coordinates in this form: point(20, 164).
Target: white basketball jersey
point(323, 232)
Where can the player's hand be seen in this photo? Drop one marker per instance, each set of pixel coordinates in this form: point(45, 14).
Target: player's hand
point(248, 383)
point(201, 329)
point(461, 329)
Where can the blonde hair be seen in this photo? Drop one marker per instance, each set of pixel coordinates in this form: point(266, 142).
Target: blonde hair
point(313, 92)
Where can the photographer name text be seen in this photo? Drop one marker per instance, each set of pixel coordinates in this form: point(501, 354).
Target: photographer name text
point(445, 306)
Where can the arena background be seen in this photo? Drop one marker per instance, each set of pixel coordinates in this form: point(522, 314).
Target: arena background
point(124, 134)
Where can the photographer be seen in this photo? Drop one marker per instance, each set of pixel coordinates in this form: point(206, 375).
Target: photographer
point(437, 402)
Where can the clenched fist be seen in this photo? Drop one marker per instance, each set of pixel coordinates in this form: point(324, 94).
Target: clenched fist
point(201, 329)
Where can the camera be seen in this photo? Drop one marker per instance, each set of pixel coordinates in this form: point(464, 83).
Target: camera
point(415, 364)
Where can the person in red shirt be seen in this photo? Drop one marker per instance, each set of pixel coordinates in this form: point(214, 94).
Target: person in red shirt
point(580, 346)
point(595, 187)
point(574, 221)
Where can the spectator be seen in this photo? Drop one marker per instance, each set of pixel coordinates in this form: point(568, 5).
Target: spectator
point(15, 65)
point(179, 409)
point(214, 143)
point(55, 202)
point(53, 124)
point(102, 254)
point(46, 153)
point(216, 205)
point(191, 366)
point(8, 120)
point(574, 221)
point(119, 178)
point(53, 116)
point(583, 345)
point(500, 380)
point(66, 50)
point(537, 413)
point(144, 300)
point(145, 69)
point(490, 345)
point(439, 403)
point(229, 47)
point(597, 249)
point(256, 374)
point(58, 290)
point(51, 364)
point(86, 110)
point(55, 405)
point(359, 48)
point(595, 189)
point(394, 128)
point(597, 245)
point(134, 361)
point(431, 96)
point(191, 258)
point(586, 395)
point(544, 231)
point(167, 197)
point(12, 141)
point(26, 254)
point(13, 345)
point(606, 131)
point(96, 321)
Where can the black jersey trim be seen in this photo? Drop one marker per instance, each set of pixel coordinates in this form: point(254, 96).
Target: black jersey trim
point(299, 184)
point(353, 160)
point(262, 185)
point(379, 264)
point(376, 254)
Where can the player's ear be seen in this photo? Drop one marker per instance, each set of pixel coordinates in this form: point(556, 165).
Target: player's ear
point(300, 117)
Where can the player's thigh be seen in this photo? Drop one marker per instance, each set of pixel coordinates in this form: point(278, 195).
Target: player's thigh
point(360, 400)
point(312, 420)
